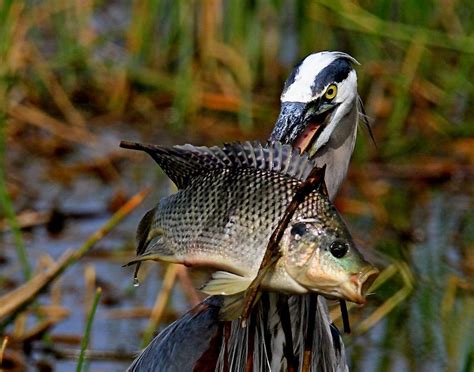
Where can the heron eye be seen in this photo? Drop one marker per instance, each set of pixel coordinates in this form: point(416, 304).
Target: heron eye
point(338, 248)
point(298, 229)
point(331, 92)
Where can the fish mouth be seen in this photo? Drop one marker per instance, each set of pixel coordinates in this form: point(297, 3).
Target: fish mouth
point(296, 127)
point(356, 287)
point(352, 287)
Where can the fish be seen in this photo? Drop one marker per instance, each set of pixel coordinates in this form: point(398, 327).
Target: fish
point(229, 201)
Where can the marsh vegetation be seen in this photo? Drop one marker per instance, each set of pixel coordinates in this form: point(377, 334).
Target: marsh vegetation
point(77, 77)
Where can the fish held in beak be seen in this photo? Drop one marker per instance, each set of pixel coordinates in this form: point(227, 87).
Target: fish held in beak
point(195, 228)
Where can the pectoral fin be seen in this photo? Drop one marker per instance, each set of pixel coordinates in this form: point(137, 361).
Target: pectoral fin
point(233, 306)
point(225, 283)
point(156, 250)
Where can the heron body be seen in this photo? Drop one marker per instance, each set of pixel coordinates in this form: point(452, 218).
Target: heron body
point(319, 113)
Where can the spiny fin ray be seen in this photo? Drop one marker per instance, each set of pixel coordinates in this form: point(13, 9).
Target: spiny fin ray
point(185, 162)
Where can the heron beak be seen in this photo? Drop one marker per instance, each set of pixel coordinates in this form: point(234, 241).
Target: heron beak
point(300, 124)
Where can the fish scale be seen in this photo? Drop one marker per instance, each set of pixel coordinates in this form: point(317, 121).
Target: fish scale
point(197, 217)
point(229, 203)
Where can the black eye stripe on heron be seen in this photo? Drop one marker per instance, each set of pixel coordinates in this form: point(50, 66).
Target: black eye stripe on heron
point(292, 77)
point(335, 72)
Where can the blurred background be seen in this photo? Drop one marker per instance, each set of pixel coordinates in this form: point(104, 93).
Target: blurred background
point(76, 77)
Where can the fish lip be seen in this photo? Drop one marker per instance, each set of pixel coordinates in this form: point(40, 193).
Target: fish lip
point(367, 278)
point(360, 284)
point(355, 287)
point(351, 287)
point(295, 128)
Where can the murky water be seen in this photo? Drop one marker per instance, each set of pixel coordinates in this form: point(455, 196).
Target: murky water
point(83, 205)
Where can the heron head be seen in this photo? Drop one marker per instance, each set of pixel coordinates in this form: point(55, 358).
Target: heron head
point(320, 92)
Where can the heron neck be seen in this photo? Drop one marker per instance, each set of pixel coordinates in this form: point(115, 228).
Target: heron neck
point(337, 152)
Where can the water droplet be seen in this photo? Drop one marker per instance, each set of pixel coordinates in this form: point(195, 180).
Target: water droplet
point(136, 282)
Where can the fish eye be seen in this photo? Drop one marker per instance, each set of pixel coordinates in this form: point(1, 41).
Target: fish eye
point(299, 229)
point(331, 92)
point(338, 248)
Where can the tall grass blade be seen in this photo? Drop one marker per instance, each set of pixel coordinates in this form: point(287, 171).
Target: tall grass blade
point(87, 331)
point(7, 26)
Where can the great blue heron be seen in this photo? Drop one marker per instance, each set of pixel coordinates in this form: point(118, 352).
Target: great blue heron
point(319, 113)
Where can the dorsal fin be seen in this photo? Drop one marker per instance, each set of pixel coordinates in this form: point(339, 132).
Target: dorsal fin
point(183, 163)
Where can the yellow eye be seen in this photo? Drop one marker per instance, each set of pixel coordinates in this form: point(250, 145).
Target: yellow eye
point(331, 92)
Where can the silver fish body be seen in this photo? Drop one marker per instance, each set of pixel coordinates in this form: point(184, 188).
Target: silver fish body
point(230, 201)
